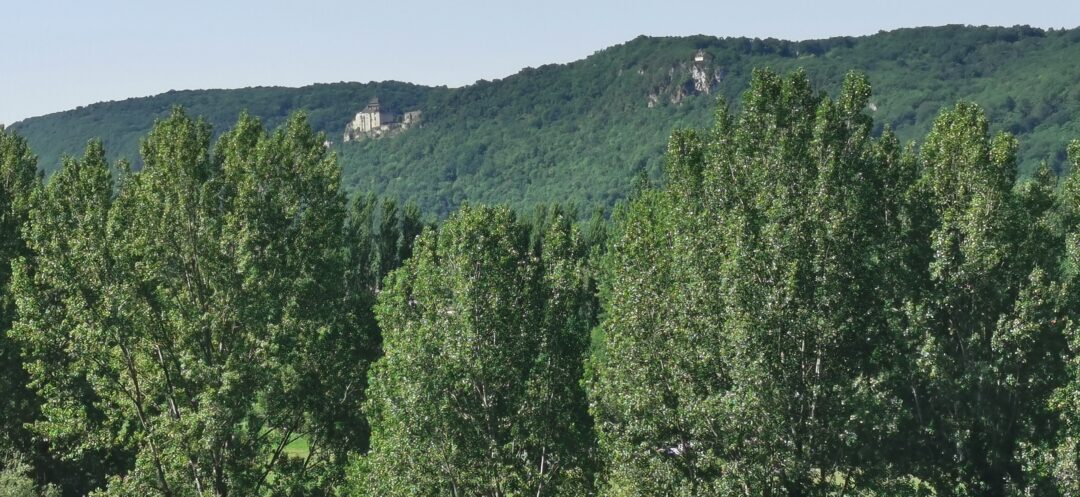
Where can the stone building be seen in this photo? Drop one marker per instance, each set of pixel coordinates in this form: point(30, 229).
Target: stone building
point(373, 122)
point(371, 118)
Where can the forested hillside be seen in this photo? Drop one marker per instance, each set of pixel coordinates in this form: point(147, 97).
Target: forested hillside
point(581, 131)
point(120, 125)
point(798, 307)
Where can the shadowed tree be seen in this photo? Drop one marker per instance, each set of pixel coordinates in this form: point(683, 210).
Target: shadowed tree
point(984, 326)
point(1060, 461)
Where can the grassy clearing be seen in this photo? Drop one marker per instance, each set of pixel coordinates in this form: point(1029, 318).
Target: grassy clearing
point(298, 448)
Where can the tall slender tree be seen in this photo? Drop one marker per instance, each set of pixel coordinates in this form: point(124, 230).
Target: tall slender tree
point(18, 404)
point(202, 308)
point(484, 339)
point(744, 329)
point(985, 327)
point(1060, 461)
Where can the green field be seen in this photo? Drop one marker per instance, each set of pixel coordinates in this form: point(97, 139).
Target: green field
point(299, 448)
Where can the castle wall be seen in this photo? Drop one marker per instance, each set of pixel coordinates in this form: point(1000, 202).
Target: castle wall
point(374, 122)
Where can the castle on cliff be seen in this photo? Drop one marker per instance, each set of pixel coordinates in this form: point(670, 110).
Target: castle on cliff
point(374, 122)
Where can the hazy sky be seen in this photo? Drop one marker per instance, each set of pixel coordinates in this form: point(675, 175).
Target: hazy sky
point(56, 55)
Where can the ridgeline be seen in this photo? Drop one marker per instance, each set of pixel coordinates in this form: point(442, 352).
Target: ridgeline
point(581, 132)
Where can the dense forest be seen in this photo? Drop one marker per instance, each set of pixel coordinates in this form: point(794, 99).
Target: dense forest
point(579, 132)
point(802, 305)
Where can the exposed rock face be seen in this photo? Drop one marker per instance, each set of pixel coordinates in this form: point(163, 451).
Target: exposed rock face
point(682, 91)
point(702, 81)
point(698, 76)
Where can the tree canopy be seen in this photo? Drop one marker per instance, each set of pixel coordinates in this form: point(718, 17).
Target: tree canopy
point(805, 309)
point(580, 132)
point(478, 392)
point(801, 306)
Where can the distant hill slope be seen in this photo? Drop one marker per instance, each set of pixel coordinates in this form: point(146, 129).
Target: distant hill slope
point(122, 124)
point(581, 131)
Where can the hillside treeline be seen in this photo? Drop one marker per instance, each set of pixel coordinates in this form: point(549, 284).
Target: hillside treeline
point(580, 132)
point(805, 307)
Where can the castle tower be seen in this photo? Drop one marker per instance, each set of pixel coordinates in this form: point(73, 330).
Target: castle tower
point(373, 114)
point(374, 122)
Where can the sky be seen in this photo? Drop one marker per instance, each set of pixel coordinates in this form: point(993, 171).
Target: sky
point(59, 54)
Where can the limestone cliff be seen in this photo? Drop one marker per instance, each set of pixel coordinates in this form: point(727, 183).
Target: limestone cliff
point(697, 76)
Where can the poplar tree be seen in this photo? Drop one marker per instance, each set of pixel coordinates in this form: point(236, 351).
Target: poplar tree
point(194, 313)
point(985, 326)
point(484, 340)
point(412, 225)
point(18, 182)
point(744, 333)
point(1059, 461)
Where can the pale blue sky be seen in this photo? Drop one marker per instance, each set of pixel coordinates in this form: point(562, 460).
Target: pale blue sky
point(60, 54)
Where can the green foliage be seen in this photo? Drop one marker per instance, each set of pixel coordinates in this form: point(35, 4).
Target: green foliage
point(26, 453)
point(17, 184)
point(742, 322)
point(579, 132)
point(15, 480)
point(484, 341)
point(800, 306)
point(984, 321)
point(121, 125)
point(1059, 460)
point(806, 310)
point(194, 313)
